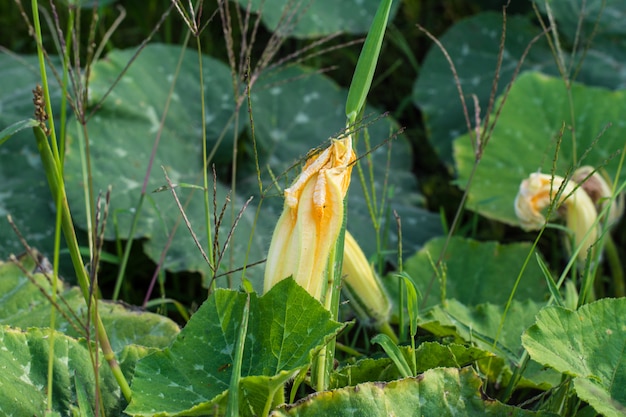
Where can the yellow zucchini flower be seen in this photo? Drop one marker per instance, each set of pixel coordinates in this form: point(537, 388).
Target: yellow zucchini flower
point(539, 191)
point(312, 217)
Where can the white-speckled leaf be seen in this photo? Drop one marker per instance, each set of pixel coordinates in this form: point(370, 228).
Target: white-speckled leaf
point(525, 140)
point(285, 327)
point(121, 137)
point(588, 344)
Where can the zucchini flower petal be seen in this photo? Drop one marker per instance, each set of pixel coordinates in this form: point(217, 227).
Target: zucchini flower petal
point(539, 190)
point(312, 217)
point(367, 295)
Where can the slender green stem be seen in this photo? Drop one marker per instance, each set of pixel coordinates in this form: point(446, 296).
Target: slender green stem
point(57, 187)
point(205, 168)
point(57, 196)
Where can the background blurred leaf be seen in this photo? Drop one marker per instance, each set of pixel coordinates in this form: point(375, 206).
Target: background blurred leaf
point(310, 19)
point(525, 140)
point(588, 344)
point(285, 327)
point(438, 392)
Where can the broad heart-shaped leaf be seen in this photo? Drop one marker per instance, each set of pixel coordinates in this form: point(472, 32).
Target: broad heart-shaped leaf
point(121, 137)
point(525, 140)
point(437, 392)
point(286, 326)
point(24, 364)
point(428, 355)
point(24, 194)
point(475, 272)
point(588, 344)
point(481, 324)
point(23, 305)
point(473, 45)
point(296, 110)
point(310, 19)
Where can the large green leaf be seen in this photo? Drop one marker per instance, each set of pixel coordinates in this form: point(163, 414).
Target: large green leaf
point(24, 305)
point(437, 392)
point(121, 137)
point(285, 327)
point(475, 272)
point(473, 45)
point(309, 19)
point(24, 364)
point(296, 110)
point(525, 140)
point(481, 325)
point(588, 344)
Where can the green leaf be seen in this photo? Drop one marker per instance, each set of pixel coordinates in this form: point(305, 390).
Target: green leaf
point(535, 112)
point(23, 305)
point(303, 19)
point(438, 392)
point(476, 272)
point(473, 45)
point(366, 65)
point(481, 325)
point(588, 344)
point(24, 361)
point(286, 326)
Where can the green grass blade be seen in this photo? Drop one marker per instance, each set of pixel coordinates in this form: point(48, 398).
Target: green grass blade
point(366, 65)
point(9, 131)
point(393, 351)
point(554, 289)
point(412, 302)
